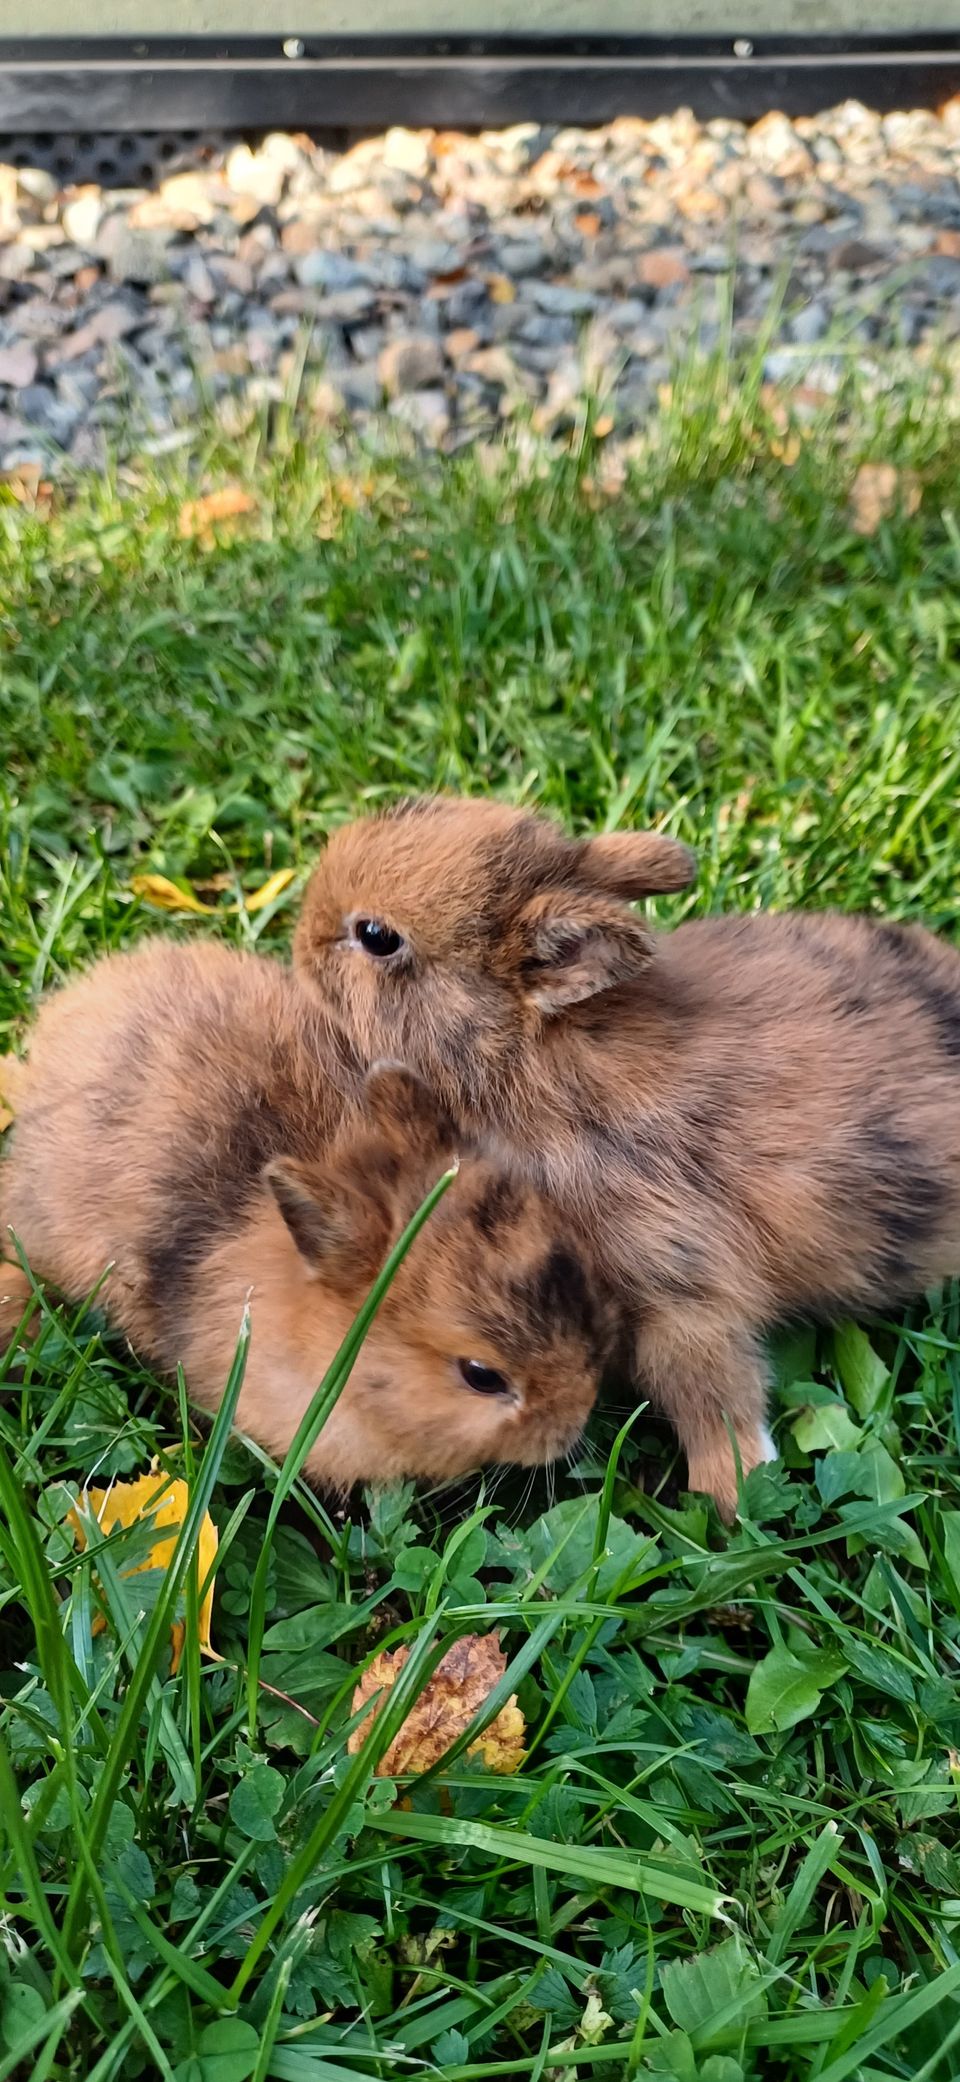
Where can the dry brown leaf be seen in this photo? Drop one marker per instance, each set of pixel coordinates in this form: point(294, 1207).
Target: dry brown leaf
point(588, 223)
point(214, 885)
point(663, 266)
point(458, 1689)
point(773, 404)
point(29, 488)
point(445, 278)
point(146, 1496)
point(199, 516)
point(877, 491)
point(807, 398)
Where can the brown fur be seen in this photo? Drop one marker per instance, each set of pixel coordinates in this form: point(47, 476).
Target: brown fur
point(188, 1117)
point(751, 1118)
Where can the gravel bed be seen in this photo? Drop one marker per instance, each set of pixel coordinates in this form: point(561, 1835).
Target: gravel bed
point(443, 283)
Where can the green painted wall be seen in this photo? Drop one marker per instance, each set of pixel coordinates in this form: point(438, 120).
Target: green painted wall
point(470, 17)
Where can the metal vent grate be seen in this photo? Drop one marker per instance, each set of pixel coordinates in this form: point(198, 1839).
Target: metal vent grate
point(132, 160)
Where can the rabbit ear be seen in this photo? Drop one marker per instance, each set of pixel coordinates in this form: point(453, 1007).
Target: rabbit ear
point(335, 1227)
point(578, 945)
point(345, 1212)
point(636, 863)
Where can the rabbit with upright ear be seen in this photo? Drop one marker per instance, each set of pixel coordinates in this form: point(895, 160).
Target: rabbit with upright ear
point(188, 1118)
point(751, 1118)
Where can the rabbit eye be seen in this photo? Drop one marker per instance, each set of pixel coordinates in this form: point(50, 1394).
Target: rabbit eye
point(378, 939)
point(485, 1380)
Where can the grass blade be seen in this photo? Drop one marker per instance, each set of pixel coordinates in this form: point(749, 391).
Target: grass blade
point(331, 1387)
point(599, 1868)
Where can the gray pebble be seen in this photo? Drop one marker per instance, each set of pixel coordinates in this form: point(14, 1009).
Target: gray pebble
point(541, 331)
point(427, 412)
point(346, 306)
point(329, 271)
point(413, 363)
point(575, 250)
point(464, 302)
point(809, 324)
point(18, 365)
point(433, 256)
point(522, 257)
point(560, 300)
point(938, 277)
point(134, 256)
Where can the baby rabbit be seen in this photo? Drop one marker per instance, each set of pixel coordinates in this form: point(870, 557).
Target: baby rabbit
point(751, 1118)
point(186, 1115)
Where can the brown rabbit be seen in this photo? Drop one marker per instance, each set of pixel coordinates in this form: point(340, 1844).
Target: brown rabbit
point(752, 1118)
point(186, 1116)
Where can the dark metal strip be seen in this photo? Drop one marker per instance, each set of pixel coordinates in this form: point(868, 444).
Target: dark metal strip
point(155, 50)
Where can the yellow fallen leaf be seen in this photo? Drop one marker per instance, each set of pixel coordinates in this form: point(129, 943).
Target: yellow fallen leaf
point(165, 895)
point(265, 894)
point(878, 489)
point(458, 1689)
point(146, 1497)
point(199, 516)
point(502, 290)
point(10, 1069)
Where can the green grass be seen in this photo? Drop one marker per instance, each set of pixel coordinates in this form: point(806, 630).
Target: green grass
point(734, 1848)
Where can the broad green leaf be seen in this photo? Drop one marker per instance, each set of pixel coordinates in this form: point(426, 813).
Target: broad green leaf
point(227, 2052)
point(255, 1800)
point(861, 1372)
point(940, 1866)
point(568, 1533)
point(23, 2009)
point(185, 1899)
point(672, 2055)
point(881, 1478)
point(872, 1473)
point(228, 2049)
point(451, 2050)
point(793, 1355)
point(878, 1668)
point(724, 1980)
point(768, 1494)
point(893, 1535)
point(309, 1630)
point(785, 1689)
point(471, 1553)
point(830, 1425)
point(838, 1474)
point(413, 1566)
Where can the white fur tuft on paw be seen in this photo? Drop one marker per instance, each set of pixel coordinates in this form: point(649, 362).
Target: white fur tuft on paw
point(768, 1450)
